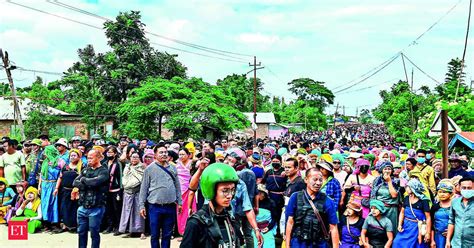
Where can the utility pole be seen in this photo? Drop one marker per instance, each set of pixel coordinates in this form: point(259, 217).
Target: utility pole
point(254, 126)
point(464, 52)
point(344, 110)
point(357, 112)
point(335, 115)
point(16, 108)
point(404, 67)
point(444, 137)
point(413, 124)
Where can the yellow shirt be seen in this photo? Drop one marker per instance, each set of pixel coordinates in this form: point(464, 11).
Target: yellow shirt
point(427, 176)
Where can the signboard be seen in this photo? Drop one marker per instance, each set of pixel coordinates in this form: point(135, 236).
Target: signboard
point(435, 129)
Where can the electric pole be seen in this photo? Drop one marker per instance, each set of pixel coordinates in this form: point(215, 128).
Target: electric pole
point(16, 107)
point(335, 115)
point(254, 125)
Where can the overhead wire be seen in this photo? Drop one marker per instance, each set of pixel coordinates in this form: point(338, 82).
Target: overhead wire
point(99, 28)
point(196, 46)
point(414, 42)
point(368, 87)
point(422, 71)
point(369, 76)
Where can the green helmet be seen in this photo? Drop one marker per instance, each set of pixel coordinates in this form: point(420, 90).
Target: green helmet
point(214, 174)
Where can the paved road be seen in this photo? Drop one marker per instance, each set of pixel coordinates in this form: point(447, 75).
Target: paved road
point(46, 240)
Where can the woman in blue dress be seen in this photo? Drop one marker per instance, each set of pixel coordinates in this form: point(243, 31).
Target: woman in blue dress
point(351, 226)
point(414, 223)
point(49, 175)
point(440, 213)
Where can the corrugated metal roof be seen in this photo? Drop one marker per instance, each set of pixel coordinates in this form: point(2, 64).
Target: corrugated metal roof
point(261, 117)
point(6, 108)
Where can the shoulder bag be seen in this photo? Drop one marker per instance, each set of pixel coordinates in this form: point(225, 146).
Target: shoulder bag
point(422, 225)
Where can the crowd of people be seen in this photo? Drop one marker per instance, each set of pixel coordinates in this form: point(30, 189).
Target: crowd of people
point(349, 186)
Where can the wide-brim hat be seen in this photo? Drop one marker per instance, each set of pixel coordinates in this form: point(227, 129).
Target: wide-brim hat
point(4, 181)
point(261, 187)
point(454, 157)
point(326, 165)
point(36, 142)
point(354, 206)
point(62, 142)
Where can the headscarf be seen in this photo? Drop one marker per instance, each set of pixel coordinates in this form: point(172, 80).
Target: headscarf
point(383, 165)
point(148, 152)
point(4, 180)
point(282, 151)
point(317, 152)
point(265, 161)
point(378, 205)
point(359, 162)
point(190, 147)
point(338, 157)
point(446, 185)
point(79, 153)
point(327, 158)
point(51, 160)
point(37, 201)
point(270, 150)
point(370, 158)
point(379, 181)
point(411, 153)
point(301, 151)
point(417, 188)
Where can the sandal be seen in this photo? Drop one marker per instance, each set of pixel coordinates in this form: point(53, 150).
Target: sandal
point(143, 236)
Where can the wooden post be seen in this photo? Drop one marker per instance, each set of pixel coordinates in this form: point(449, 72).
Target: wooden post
point(444, 137)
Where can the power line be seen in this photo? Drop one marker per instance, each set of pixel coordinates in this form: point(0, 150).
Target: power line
point(364, 79)
point(417, 67)
point(99, 28)
point(414, 42)
point(196, 46)
point(368, 87)
point(41, 72)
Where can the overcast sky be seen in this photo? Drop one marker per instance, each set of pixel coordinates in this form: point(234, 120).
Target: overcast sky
point(330, 41)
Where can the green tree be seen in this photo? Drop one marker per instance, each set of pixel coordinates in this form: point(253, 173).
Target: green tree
point(187, 105)
point(314, 93)
point(447, 90)
point(398, 108)
point(365, 116)
point(241, 88)
point(311, 117)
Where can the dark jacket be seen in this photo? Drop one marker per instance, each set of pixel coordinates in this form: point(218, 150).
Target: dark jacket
point(93, 186)
point(204, 229)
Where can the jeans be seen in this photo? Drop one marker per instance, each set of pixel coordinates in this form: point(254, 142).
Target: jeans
point(89, 219)
point(247, 232)
point(162, 219)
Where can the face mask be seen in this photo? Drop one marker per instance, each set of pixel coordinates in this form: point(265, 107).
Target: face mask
point(428, 156)
point(364, 169)
point(421, 160)
point(467, 193)
point(276, 165)
point(110, 158)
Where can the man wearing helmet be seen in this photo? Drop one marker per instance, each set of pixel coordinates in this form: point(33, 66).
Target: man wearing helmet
point(75, 142)
point(214, 225)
